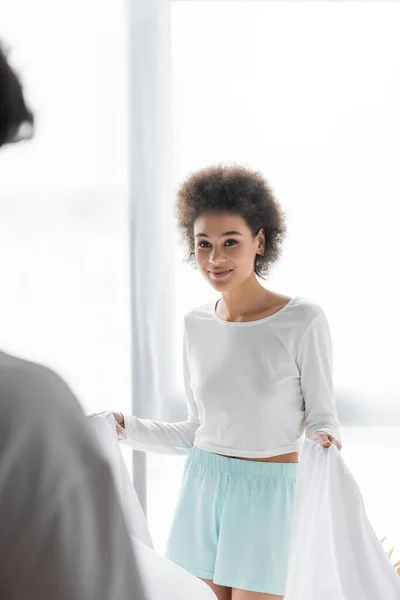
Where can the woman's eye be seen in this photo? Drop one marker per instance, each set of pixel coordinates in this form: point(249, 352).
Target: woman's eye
point(230, 242)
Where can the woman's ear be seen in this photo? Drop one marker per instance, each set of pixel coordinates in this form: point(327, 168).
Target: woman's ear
point(261, 242)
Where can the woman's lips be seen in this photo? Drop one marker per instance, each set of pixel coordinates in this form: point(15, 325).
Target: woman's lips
point(220, 274)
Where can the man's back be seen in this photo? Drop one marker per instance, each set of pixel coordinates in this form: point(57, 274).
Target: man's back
point(62, 531)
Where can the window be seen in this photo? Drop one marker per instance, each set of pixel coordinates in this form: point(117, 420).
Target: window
point(63, 212)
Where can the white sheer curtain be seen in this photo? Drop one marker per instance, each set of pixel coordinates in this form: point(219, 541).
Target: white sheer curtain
point(151, 219)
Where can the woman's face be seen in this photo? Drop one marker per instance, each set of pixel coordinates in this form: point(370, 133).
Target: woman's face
point(225, 249)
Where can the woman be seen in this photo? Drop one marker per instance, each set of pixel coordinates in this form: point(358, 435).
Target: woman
point(258, 374)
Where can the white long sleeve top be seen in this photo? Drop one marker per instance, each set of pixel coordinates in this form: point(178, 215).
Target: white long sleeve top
point(253, 388)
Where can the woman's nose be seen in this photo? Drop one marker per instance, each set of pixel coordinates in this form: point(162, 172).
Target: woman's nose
point(217, 256)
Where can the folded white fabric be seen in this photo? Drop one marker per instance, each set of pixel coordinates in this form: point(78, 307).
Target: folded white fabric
point(335, 554)
point(104, 427)
point(162, 579)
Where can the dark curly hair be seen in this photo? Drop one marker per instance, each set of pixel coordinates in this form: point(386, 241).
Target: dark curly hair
point(237, 190)
point(13, 110)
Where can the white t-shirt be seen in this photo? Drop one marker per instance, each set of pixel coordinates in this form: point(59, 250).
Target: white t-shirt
point(62, 530)
point(253, 388)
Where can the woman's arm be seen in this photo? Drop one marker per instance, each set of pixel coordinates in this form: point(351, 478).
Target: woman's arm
point(166, 438)
point(315, 364)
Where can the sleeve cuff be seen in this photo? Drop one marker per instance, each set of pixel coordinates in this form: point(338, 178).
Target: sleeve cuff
point(127, 427)
point(330, 428)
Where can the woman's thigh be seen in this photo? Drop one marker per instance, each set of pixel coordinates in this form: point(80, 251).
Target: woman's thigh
point(245, 595)
point(222, 592)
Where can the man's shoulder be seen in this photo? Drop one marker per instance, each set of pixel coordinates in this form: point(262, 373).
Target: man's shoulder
point(32, 387)
point(42, 420)
point(14, 368)
point(39, 409)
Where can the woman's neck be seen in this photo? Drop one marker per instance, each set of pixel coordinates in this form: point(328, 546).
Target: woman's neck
point(247, 301)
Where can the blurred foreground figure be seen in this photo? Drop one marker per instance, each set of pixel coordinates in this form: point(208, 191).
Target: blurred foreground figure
point(62, 531)
point(16, 120)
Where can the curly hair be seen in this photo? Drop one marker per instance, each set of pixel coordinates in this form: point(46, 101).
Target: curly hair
point(238, 190)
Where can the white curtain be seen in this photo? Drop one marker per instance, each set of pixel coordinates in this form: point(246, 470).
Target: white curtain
point(151, 218)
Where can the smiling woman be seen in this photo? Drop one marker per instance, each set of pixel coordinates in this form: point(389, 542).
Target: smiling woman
point(237, 192)
point(257, 375)
point(315, 138)
point(229, 255)
point(214, 271)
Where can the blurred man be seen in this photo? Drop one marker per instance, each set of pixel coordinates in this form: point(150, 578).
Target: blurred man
point(62, 531)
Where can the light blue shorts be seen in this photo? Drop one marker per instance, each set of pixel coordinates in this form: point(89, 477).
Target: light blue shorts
point(233, 521)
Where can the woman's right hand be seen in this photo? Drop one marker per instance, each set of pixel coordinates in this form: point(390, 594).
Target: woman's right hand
point(119, 420)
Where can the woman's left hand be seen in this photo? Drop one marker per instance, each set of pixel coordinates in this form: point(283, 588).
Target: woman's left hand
point(325, 439)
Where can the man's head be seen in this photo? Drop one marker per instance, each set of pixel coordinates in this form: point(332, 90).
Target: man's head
point(16, 120)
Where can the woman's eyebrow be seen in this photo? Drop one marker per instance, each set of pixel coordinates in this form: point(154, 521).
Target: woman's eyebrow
point(227, 234)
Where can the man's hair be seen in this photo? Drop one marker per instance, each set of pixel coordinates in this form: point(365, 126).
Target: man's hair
point(13, 110)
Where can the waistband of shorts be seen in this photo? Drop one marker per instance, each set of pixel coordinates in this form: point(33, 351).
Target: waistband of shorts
point(231, 466)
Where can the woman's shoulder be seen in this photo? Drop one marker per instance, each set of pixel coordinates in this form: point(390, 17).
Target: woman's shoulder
point(202, 312)
point(298, 317)
point(307, 315)
point(306, 308)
